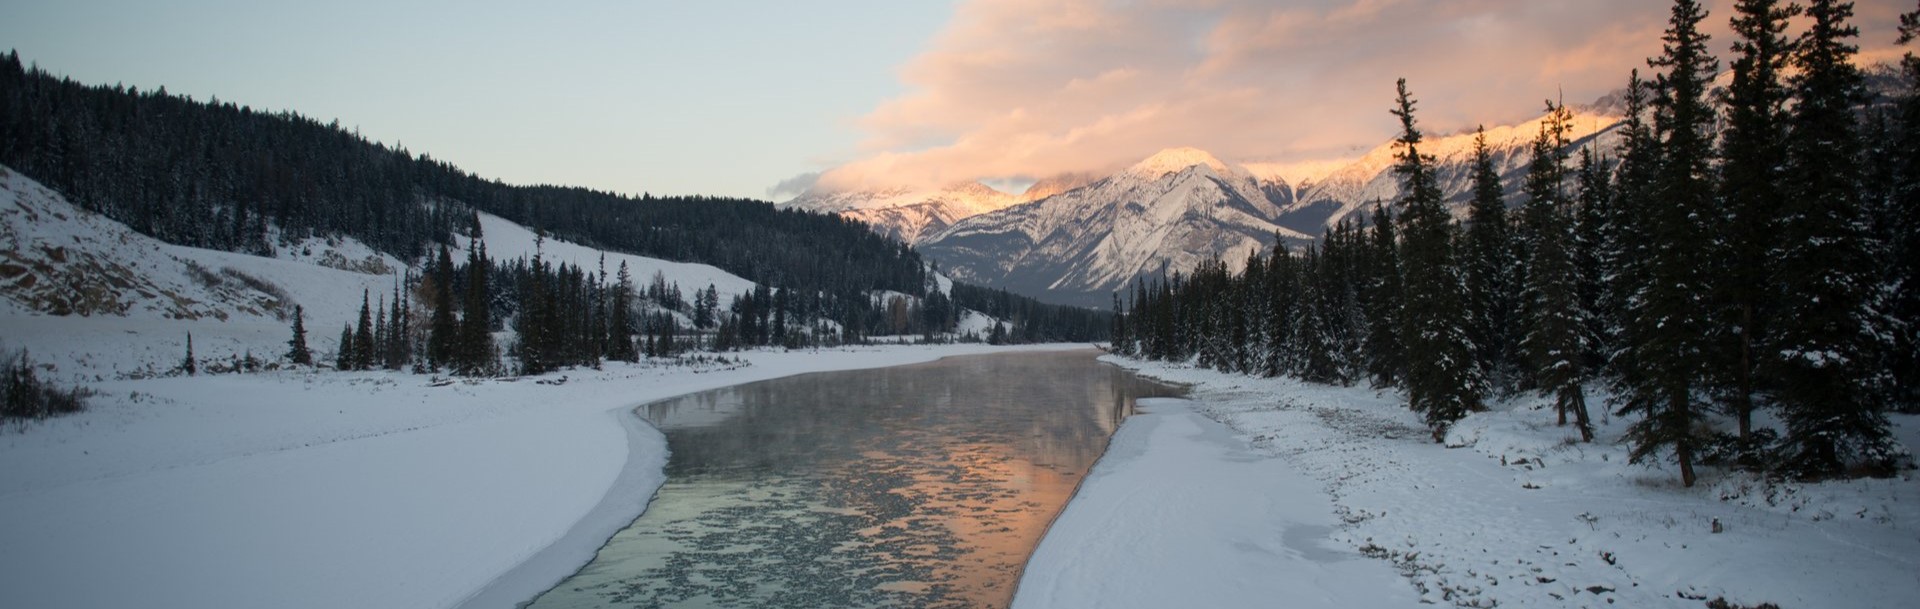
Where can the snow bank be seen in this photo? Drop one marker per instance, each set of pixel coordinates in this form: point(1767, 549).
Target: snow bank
point(1520, 515)
point(342, 489)
point(1178, 513)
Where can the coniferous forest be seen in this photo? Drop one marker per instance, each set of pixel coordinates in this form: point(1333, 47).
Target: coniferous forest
point(1752, 249)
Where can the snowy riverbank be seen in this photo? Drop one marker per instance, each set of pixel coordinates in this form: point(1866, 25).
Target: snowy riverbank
point(1179, 513)
point(1512, 515)
point(291, 489)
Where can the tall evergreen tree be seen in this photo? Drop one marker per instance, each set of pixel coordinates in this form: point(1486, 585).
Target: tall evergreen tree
point(1595, 232)
point(344, 358)
point(1825, 339)
point(1752, 193)
point(1441, 381)
point(363, 353)
point(1902, 209)
point(443, 328)
point(1553, 320)
point(621, 324)
point(1490, 259)
point(400, 328)
point(1666, 317)
point(475, 352)
point(1623, 246)
point(1387, 357)
point(190, 364)
point(297, 346)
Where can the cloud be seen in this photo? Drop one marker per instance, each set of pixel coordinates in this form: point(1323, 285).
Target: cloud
point(1034, 88)
point(793, 187)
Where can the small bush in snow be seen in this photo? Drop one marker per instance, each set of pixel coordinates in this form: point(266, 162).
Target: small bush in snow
point(24, 397)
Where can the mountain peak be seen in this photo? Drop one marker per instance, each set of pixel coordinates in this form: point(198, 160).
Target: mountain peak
point(1173, 160)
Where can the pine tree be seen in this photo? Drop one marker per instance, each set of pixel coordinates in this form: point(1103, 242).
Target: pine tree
point(1825, 339)
point(1387, 357)
point(380, 336)
point(1903, 227)
point(363, 353)
point(442, 329)
point(621, 324)
point(1666, 317)
point(1594, 232)
point(1623, 246)
point(1441, 381)
point(190, 364)
point(780, 304)
point(399, 346)
point(344, 358)
point(1553, 320)
point(297, 346)
point(1752, 193)
point(475, 351)
point(1490, 259)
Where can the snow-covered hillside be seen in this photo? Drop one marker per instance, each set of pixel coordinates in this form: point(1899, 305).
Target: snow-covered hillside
point(91, 299)
point(507, 241)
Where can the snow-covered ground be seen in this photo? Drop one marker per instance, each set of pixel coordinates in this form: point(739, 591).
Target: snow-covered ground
point(1179, 513)
point(1511, 512)
point(297, 489)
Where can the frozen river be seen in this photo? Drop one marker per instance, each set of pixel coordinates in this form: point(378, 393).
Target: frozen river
point(914, 486)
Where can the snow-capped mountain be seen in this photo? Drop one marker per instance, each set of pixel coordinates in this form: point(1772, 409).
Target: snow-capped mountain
point(1169, 211)
point(1323, 200)
point(907, 214)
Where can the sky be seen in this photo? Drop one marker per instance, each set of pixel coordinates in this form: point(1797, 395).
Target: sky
point(766, 99)
point(717, 97)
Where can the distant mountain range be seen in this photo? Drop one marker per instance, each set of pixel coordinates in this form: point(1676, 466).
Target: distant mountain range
point(1076, 239)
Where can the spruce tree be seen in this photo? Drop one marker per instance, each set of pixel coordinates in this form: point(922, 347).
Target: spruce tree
point(399, 346)
point(1752, 193)
point(1553, 322)
point(190, 364)
point(363, 353)
point(1490, 260)
point(1387, 358)
point(297, 346)
point(1595, 231)
point(1441, 381)
point(343, 358)
point(1623, 246)
point(380, 336)
point(1825, 338)
point(1903, 227)
point(443, 328)
point(1666, 317)
point(621, 324)
point(475, 352)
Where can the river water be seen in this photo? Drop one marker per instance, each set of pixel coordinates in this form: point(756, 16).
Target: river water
point(913, 486)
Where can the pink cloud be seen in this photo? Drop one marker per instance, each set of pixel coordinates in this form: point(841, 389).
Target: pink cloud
point(1033, 88)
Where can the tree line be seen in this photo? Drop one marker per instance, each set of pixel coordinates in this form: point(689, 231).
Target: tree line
point(1722, 264)
point(223, 176)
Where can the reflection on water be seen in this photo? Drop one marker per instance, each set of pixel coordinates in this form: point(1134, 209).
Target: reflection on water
point(915, 486)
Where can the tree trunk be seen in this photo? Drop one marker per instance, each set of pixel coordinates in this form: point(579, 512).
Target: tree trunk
point(1743, 398)
point(1576, 400)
